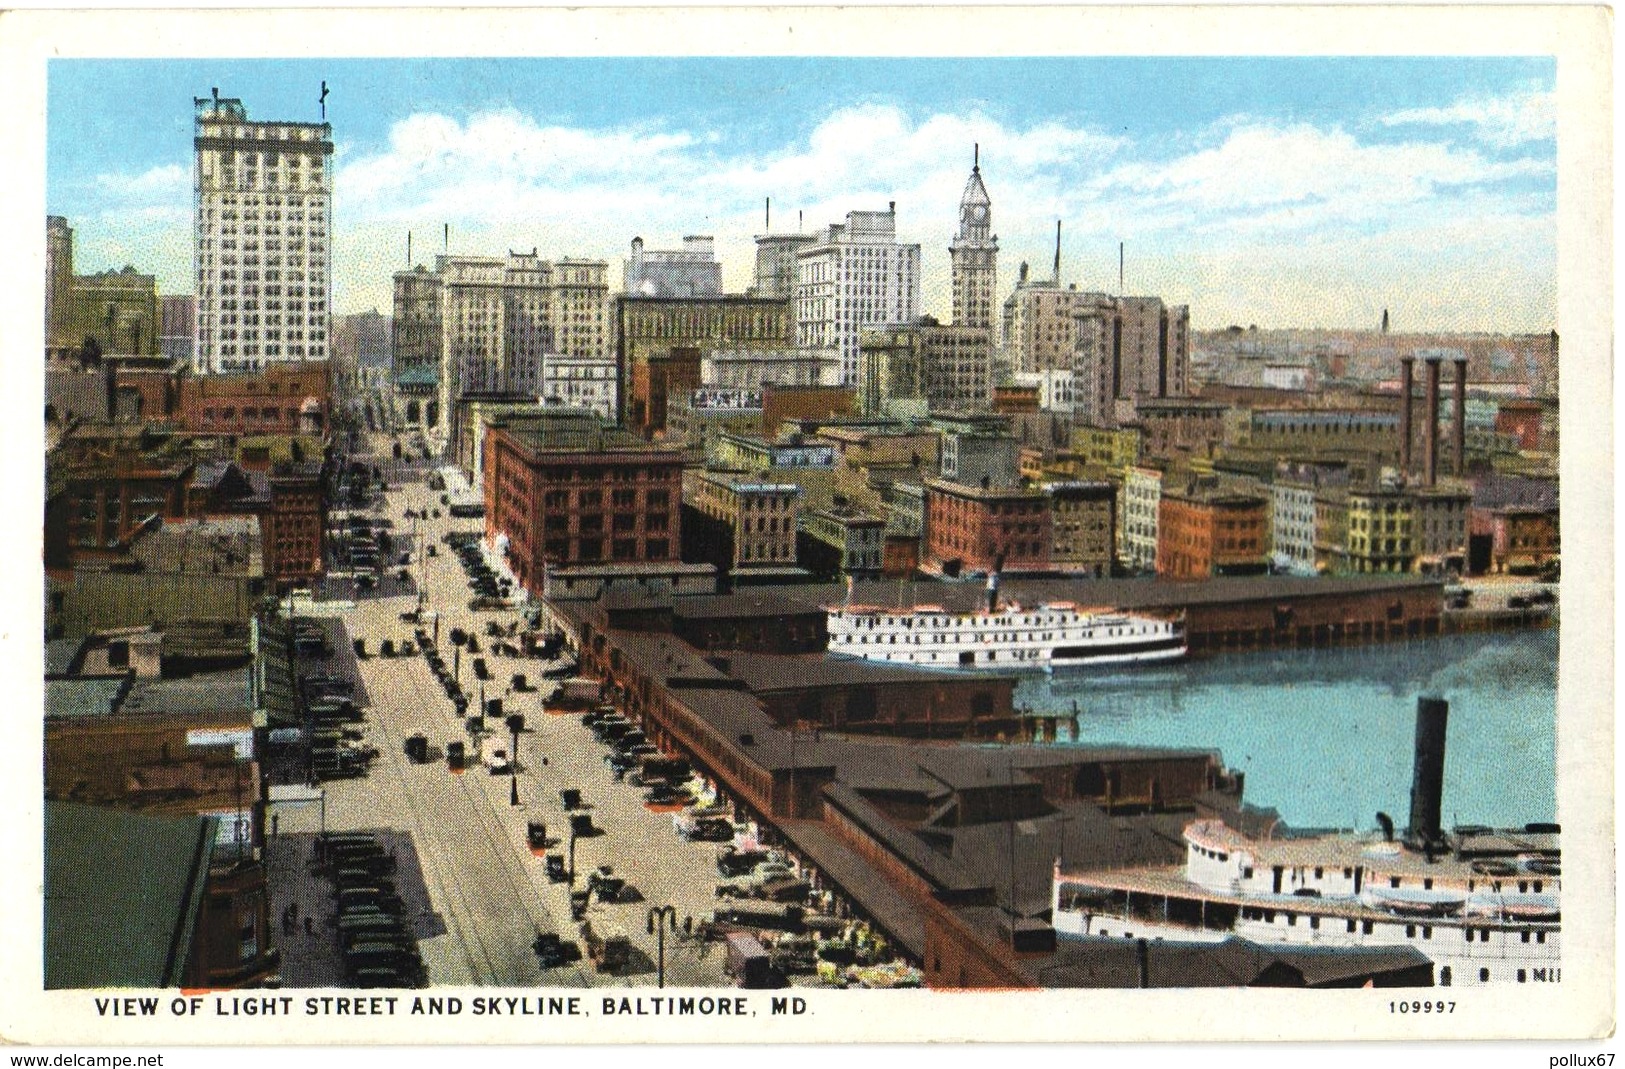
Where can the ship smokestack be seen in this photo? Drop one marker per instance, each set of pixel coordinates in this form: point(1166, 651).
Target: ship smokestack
point(1427, 776)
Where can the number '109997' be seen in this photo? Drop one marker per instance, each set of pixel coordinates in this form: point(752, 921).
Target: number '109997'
point(1422, 1006)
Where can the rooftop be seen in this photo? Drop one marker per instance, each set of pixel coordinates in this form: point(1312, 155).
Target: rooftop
point(1128, 594)
point(575, 433)
point(122, 895)
point(228, 545)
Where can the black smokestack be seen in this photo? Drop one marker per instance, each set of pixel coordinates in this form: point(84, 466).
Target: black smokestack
point(1427, 777)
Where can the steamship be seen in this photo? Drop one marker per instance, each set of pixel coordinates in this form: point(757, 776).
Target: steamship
point(1483, 904)
point(1054, 636)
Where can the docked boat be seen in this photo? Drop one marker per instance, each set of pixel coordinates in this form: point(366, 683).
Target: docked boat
point(1054, 636)
point(1334, 891)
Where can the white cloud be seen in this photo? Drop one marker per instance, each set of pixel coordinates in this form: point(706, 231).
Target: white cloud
point(1303, 178)
point(159, 184)
point(1506, 121)
point(497, 162)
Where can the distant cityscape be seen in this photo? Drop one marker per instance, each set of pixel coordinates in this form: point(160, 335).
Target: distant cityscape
point(759, 575)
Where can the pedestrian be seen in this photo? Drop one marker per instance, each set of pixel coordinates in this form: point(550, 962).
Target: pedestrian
point(308, 930)
point(275, 818)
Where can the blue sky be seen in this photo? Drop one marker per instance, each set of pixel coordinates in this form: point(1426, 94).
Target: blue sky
point(1283, 192)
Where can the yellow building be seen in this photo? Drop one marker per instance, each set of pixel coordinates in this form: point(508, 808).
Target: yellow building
point(1380, 531)
point(1105, 448)
point(759, 516)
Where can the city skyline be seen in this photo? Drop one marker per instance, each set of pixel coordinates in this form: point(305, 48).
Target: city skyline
point(1426, 186)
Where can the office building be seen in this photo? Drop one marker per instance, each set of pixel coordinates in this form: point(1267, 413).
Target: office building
point(855, 275)
point(691, 271)
point(566, 490)
point(1206, 531)
point(487, 325)
point(1127, 350)
point(981, 529)
point(660, 343)
point(949, 369)
point(263, 209)
point(776, 264)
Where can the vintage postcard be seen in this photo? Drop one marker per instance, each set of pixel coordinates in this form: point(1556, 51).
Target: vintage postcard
point(809, 525)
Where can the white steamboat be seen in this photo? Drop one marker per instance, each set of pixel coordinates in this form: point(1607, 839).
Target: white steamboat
point(1492, 919)
point(1053, 636)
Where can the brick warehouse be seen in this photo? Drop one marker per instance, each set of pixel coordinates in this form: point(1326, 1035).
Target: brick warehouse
point(278, 400)
point(569, 490)
point(975, 529)
point(912, 834)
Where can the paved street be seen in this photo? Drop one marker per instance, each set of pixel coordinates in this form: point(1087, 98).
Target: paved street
point(487, 894)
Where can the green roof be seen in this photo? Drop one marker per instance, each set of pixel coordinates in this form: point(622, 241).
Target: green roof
point(122, 895)
point(419, 375)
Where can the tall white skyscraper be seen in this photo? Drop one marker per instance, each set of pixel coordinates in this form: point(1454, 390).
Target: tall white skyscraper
point(855, 275)
point(262, 212)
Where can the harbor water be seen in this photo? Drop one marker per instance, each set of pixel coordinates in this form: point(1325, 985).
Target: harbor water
point(1325, 736)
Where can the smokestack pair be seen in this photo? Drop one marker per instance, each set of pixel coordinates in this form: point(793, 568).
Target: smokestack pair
point(1430, 418)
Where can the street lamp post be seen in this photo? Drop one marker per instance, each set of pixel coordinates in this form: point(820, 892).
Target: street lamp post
point(661, 917)
point(513, 762)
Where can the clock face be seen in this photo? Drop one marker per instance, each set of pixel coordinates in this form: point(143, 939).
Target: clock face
point(978, 213)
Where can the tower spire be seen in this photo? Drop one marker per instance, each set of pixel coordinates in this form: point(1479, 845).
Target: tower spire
point(974, 252)
point(1057, 252)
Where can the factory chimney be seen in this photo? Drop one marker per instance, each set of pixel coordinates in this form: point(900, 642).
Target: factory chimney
point(1407, 429)
point(1430, 418)
point(1427, 775)
point(1460, 426)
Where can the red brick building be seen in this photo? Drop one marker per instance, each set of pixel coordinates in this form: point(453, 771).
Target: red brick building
point(569, 490)
point(1520, 540)
point(973, 529)
point(899, 555)
point(101, 488)
point(1203, 533)
point(294, 525)
point(291, 399)
point(290, 505)
point(1522, 420)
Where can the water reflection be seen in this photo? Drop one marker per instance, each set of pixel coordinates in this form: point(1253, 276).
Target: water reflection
point(1325, 735)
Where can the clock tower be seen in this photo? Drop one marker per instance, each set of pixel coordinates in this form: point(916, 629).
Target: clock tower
point(974, 253)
